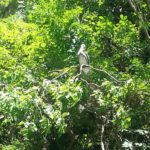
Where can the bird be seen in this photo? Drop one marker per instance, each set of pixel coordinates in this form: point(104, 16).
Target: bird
point(83, 59)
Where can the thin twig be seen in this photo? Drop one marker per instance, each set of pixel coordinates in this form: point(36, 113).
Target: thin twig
point(77, 75)
point(90, 83)
point(64, 73)
point(54, 71)
point(84, 81)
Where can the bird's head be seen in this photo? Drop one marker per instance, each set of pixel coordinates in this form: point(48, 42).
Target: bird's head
point(83, 47)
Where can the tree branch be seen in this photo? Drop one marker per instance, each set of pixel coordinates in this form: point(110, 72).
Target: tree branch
point(102, 134)
point(89, 84)
point(132, 5)
point(136, 9)
point(101, 70)
point(148, 4)
point(91, 67)
point(54, 71)
point(65, 72)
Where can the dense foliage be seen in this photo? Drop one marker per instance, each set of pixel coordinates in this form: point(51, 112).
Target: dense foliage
point(45, 103)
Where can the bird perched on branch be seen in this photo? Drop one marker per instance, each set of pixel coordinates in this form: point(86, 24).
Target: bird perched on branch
point(84, 59)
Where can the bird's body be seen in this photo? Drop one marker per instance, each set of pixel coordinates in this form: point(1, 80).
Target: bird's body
point(83, 59)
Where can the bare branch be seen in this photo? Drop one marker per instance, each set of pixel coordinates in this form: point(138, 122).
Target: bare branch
point(65, 72)
point(102, 134)
point(54, 71)
point(100, 70)
point(81, 69)
point(89, 84)
point(136, 9)
point(132, 5)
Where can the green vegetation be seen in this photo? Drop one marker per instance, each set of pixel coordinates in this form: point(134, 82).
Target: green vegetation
point(45, 103)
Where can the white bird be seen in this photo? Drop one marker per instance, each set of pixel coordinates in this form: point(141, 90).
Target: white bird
point(84, 59)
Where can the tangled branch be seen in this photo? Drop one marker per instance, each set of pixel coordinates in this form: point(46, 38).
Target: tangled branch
point(81, 70)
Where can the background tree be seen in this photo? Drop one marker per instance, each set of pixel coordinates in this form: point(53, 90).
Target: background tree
point(46, 103)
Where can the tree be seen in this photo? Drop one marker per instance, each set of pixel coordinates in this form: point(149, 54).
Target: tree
point(46, 102)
